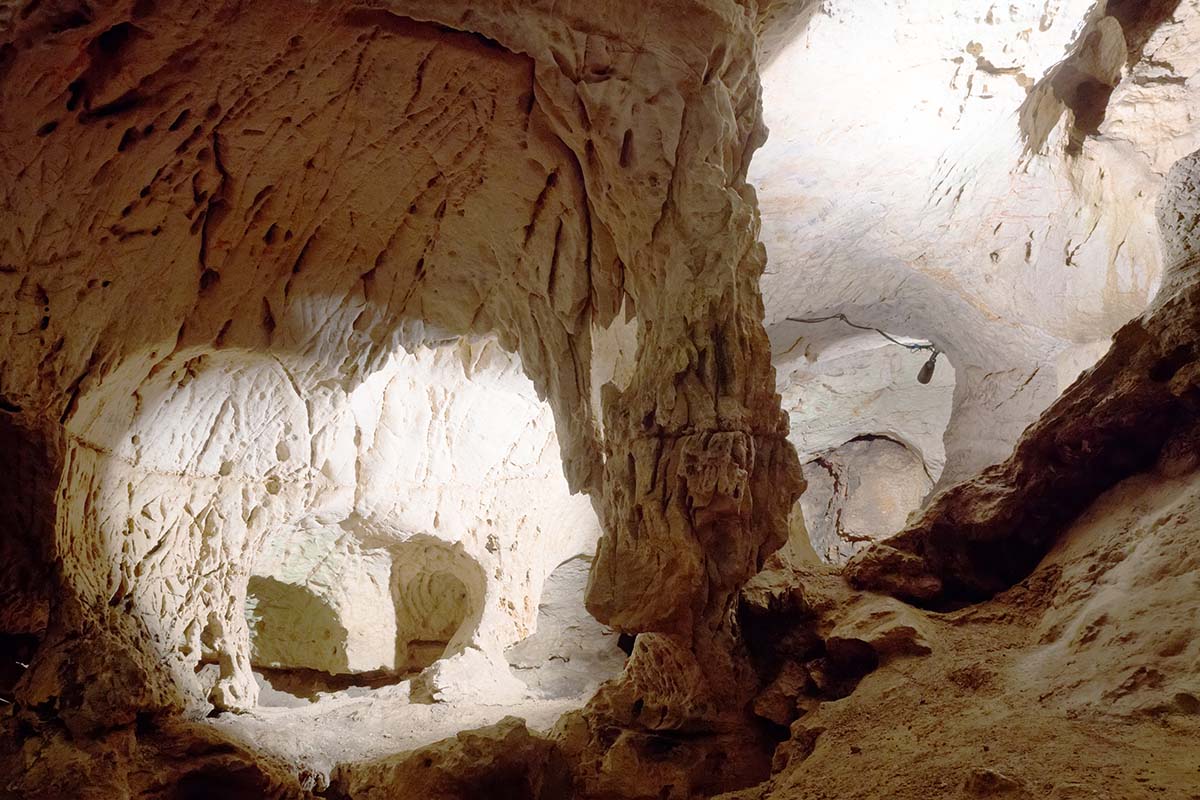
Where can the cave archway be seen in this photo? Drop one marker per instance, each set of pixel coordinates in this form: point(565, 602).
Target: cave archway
point(363, 547)
point(860, 492)
point(870, 435)
point(438, 592)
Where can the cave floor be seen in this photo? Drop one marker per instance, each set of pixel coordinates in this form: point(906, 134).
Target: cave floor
point(962, 726)
point(1068, 686)
point(361, 723)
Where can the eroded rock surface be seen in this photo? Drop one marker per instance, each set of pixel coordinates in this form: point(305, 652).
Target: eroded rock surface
point(570, 654)
point(861, 492)
point(316, 315)
point(979, 175)
point(503, 760)
point(254, 215)
point(1079, 681)
point(1135, 406)
point(836, 388)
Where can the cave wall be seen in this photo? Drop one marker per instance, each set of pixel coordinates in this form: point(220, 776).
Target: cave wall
point(861, 492)
point(269, 203)
point(840, 387)
point(1134, 410)
point(442, 463)
point(1004, 162)
point(225, 225)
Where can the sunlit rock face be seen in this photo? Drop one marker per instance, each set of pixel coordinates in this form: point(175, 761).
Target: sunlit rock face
point(440, 526)
point(869, 434)
point(1053, 614)
point(931, 171)
point(570, 653)
point(240, 299)
point(381, 528)
point(1134, 410)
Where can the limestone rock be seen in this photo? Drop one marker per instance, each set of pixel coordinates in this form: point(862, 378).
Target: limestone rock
point(571, 653)
point(837, 387)
point(330, 331)
point(991, 189)
point(161, 758)
point(892, 631)
point(989, 783)
point(1122, 638)
point(884, 568)
point(985, 534)
point(1039, 691)
point(777, 703)
point(356, 230)
point(502, 760)
point(861, 492)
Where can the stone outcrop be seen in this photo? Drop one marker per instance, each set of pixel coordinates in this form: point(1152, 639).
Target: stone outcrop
point(1135, 406)
point(166, 758)
point(1079, 681)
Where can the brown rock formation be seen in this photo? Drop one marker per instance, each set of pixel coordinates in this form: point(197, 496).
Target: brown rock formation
point(1137, 404)
point(504, 760)
point(222, 221)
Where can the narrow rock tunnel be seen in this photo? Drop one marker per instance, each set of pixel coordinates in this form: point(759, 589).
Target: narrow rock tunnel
point(605, 401)
point(869, 433)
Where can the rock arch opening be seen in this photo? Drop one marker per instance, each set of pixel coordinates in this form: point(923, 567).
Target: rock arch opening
point(438, 595)
point(860, 492)
point(293, 626)
point(347, 584)
point(870, 435)
point(355, 533)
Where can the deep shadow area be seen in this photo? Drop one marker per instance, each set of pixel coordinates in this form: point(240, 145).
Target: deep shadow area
point(31, 464)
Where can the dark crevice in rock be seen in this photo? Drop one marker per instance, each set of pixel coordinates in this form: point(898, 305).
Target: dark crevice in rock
point(1139, 20)
point(1110, 44)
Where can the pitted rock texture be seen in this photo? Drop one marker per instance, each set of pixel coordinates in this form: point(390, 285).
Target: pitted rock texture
point(293, 293)
point(158, 758)
point(226, 227)
point(443, 512)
